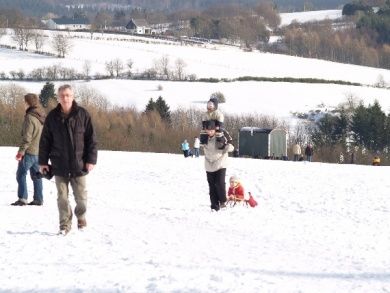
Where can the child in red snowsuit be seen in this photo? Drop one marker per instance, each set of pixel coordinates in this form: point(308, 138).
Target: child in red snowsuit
point(236, 190)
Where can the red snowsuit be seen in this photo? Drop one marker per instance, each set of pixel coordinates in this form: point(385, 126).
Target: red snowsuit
point(236, 192)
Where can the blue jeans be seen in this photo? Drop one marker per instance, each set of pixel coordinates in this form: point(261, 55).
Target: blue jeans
point(29, 163)
point(196, 152)
point(308, 158)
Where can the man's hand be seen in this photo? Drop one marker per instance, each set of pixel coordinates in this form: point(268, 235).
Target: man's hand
point(19, 157)
point(89, 167)
point(43, 168)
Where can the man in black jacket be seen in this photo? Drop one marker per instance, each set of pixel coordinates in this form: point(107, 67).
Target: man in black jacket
point(68, 140)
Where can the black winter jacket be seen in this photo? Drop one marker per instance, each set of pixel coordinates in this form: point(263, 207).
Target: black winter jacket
point(68, 142)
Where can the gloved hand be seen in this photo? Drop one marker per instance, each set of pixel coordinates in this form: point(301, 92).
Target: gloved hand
point(221, 140)
point(19, 157)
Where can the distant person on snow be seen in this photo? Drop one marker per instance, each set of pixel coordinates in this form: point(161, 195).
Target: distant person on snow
point(309, 152)
point(185, 147)
point(27, 155)
point(68, 140)
point(196, 147)
point(215, 165)
point(297, 151)
point(376, 161)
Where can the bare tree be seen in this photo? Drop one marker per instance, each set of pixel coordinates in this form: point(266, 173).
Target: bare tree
point(129, 65)
point(28, 36)
point(37, 74)
point(101, 21)
point(52, 72)
point(18, 37)
point(11, 94)
point(110, 68)
point(269, 13)
point(61, 44)
point(162, 66)
point(88, 96)
point(87, 68)
point(179, 67)
point(118, 66)
point(3, 32)
point(38, 39)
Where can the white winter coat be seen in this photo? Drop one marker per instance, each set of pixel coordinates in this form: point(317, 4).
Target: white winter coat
point(215, 159)
point(297, 149)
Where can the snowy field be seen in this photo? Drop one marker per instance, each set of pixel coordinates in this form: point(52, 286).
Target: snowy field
point(307, 16)
point(207, 61)
point(274, 99)
point(150, 230)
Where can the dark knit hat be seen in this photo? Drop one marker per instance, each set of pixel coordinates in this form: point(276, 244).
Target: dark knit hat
point(210, 125)
point(215, 102)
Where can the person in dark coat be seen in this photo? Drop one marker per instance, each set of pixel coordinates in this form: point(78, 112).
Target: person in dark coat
point(309, 152)
point(68, 140)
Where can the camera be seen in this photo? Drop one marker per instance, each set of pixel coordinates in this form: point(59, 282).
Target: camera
point(46, 174)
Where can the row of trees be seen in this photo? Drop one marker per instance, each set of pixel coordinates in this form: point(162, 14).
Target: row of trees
point(322, 41)
point(353, 128)
point(238, 24)
point(364, 40)
point(161, 69)
point(377, 23)
point(60, 43)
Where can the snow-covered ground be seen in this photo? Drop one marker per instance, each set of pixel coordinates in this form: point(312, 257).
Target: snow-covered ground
point(307, 16)
point(150, 230)
point(207, 61)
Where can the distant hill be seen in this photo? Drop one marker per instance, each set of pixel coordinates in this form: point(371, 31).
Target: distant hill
point(41, 7)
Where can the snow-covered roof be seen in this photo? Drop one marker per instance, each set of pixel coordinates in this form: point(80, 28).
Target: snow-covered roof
point(256, 129)
point(139, 22)
point(66, 20)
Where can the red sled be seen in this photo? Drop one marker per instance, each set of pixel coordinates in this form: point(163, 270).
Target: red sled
point(251, 201)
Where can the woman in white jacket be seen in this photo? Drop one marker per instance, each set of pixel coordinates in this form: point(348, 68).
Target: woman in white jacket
point(216, 156)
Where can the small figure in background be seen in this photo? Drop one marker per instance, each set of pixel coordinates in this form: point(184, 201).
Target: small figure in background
point(185, 147)
point(376, 161)
point(309, 152)
point(196, 147)
point(297, 151)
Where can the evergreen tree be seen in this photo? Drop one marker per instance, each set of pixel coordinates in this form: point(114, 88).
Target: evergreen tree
point(324, 134)
point(377, 129)
point(342, 127)
point(151, 106)
point(369, 127)
point(332, 129)
point(47, 93)
point(163, 109)
point(360, 126)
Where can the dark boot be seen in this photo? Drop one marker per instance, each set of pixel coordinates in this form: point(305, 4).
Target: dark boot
point(35, 203)
point(19, 202)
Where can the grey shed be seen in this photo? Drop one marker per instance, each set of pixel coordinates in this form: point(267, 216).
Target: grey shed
point(262, 142)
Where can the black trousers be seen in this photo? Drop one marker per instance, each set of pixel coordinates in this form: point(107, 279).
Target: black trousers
point(217, 187)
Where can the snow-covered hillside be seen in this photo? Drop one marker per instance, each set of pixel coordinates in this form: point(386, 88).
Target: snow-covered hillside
point(270, 98)
point(307, 16)
point(206, 61)
point(150, 230)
